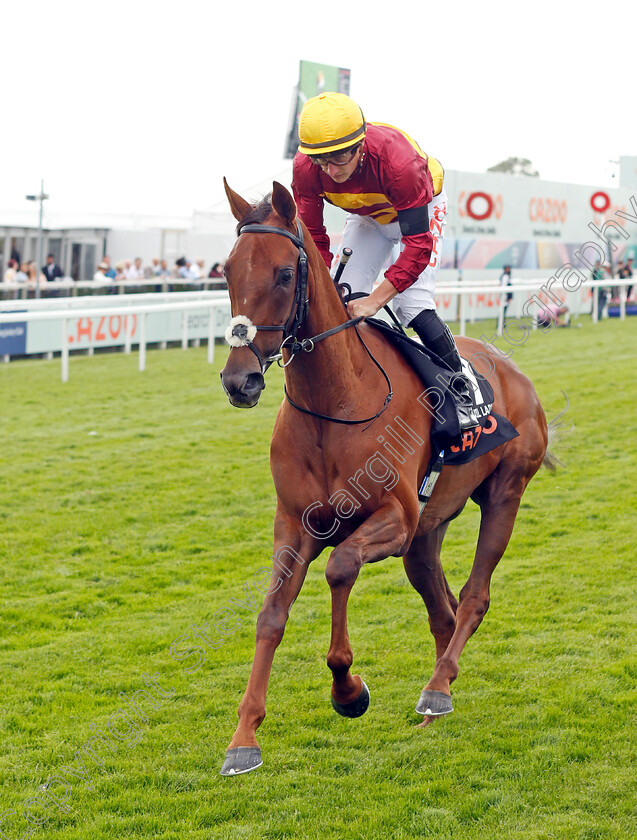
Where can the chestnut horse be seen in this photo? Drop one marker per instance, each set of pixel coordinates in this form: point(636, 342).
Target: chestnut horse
point(346, 393)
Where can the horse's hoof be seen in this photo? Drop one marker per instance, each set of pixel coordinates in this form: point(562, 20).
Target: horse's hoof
point(434, 703)
point(356, 708)
point(241, 760)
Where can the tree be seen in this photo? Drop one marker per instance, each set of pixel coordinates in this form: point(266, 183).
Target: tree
point(515, 166)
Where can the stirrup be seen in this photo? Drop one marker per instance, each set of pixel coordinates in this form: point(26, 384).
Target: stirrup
point(464, 402)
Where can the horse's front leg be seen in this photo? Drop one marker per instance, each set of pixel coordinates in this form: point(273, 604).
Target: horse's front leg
point(294, 550)
point(384, 533)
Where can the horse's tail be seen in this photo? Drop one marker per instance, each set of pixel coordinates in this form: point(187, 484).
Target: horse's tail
point(557, 428)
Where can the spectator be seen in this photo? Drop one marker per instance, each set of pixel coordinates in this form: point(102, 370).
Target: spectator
point(12, 270)
point(164, 274)
point(35, 276)
point(183, 268)
point(110, 272)
point(51, 270)
point(11, 275)
point(100, 275)
point(113, 274)
point(156, 271)
point(216, 270)
point(22, 274)
point(628, 273)
point(197, 271)
point(505, 280)
point(133, 271)
point(621, 275)
point(603, 293)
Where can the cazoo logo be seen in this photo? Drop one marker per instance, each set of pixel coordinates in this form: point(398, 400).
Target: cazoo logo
point(548, 210)
point(479, 205)
point(604, 209)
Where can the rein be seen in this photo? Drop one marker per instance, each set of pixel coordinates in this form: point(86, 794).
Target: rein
point(242, 332)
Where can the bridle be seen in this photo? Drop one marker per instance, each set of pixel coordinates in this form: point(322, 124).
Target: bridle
point(242, 332)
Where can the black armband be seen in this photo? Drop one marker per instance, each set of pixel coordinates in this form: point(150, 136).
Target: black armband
point(414, 220)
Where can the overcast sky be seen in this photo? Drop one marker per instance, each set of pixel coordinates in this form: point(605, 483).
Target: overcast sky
point(145, 106)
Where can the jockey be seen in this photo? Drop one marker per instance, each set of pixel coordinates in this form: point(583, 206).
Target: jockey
point(393, 192)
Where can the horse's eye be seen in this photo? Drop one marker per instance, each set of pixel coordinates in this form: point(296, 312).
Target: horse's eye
point(285, 276)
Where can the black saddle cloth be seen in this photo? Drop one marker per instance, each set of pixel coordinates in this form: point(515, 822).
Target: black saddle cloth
point(490, 429)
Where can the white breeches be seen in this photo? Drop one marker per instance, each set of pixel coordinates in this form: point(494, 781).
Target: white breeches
point(372, 245)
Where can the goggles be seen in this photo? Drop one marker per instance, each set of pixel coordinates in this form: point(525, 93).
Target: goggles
point(336, 158)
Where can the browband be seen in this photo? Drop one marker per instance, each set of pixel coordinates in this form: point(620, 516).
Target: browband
point(298, 240)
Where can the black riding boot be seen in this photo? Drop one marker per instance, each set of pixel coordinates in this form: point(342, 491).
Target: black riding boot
point(436, 335)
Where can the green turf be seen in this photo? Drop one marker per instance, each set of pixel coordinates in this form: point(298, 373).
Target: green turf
point(136, 504)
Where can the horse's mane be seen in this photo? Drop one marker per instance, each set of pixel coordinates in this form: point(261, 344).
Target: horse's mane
point(258, 213)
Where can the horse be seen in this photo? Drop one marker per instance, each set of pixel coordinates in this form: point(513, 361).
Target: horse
point(350, 446)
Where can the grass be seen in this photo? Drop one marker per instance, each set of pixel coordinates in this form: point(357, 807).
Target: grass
point(136, 505)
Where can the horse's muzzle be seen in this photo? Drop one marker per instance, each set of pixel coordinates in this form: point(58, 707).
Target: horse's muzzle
point(243, 389)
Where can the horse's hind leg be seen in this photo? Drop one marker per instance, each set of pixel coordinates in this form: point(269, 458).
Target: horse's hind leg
point(499, 500)
point(453, 601)
point(424, 570)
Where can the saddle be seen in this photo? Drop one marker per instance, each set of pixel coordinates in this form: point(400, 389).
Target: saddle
point(459, 433)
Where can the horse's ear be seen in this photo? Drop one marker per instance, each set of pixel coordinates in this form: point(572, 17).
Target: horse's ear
point(239, 206)
point(283, 203)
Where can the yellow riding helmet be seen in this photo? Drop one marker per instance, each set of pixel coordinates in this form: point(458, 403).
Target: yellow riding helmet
point(330, 122)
